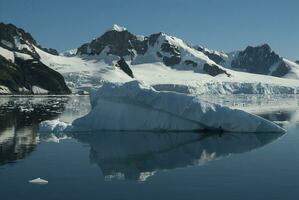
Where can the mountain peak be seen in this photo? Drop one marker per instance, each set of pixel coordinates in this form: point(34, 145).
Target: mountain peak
point(117, 28)
point(16, 39)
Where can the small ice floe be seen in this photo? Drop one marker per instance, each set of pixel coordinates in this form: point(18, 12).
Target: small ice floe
point(38, 181)
point(52, 126)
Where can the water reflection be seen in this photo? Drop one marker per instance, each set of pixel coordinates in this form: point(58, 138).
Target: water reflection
point(137, 156)
point(133, 156)
point(19, 119)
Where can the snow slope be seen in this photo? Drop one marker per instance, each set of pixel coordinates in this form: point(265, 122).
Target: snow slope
point(88, 72)
point(82, 73)
point(9, 55)
point(294, 69)
point(164, 78)
point(136, 106)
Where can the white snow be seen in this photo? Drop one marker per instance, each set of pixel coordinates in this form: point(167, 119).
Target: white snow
point(69, 53)
point(294, 72)
point(23, 89)
point(23, 56)
point(186, 53)
point(118, 28)
point(20, 46)
point(165, 78)
point(39, 90)
point(9, 55)
point(4, 90)
point(136, 106)
point(83, 73)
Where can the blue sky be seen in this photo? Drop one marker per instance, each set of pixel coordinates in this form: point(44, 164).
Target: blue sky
point(217, 24)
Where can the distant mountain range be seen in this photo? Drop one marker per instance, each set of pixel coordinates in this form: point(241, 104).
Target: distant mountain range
point(94, 61)
point(176, 53)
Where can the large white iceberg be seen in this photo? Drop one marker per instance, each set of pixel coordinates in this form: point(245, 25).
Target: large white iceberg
point(138, 107)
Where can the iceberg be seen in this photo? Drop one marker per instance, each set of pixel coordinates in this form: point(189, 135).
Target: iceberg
point(38, 181)
point(54, 126)
point(134, 106)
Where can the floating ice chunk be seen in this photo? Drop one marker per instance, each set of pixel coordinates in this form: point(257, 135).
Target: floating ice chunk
point(52, 126)
point(135, 106)
point(38, 181)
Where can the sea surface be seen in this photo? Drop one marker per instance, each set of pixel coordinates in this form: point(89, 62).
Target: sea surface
point(145, 165)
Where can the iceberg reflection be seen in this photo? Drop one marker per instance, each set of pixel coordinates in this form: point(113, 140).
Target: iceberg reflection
point(19, 117)
point(137, 156)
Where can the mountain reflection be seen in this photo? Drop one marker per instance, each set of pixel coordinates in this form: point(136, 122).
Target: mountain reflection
point(19, 117)
point(136, 156)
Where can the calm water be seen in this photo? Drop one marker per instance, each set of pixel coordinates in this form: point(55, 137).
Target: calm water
point(116, 165)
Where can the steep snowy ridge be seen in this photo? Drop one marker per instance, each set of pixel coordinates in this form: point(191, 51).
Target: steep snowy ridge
point(293, 69)
point(21, 71)
point(257, 60)
point(216, 56)
point(159, 47)
point(16, 39)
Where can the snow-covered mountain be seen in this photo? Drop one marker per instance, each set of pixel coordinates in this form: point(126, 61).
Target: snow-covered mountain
point(162, 61)
point(258, 60)
point(21, 71)
point(158, 47)
point(169, 63)
point(16, 39)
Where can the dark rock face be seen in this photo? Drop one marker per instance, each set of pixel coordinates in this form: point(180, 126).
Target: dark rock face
point(190, 62)
point(168, 48)
point(152, 39)
point(171, 61)
point(122, 64)
point(120, 43)
point(213, 56)
point(259, 60)
point(159, 54)
point(123, 43)
point(28, 73)
point(297, 61)
point(216, 58)
point(10, 35)
point(214, 70)
point(51, 51)
point(281, 70)
point(9, 31)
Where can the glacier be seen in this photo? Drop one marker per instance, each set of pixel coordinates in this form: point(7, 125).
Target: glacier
point(135, 106)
